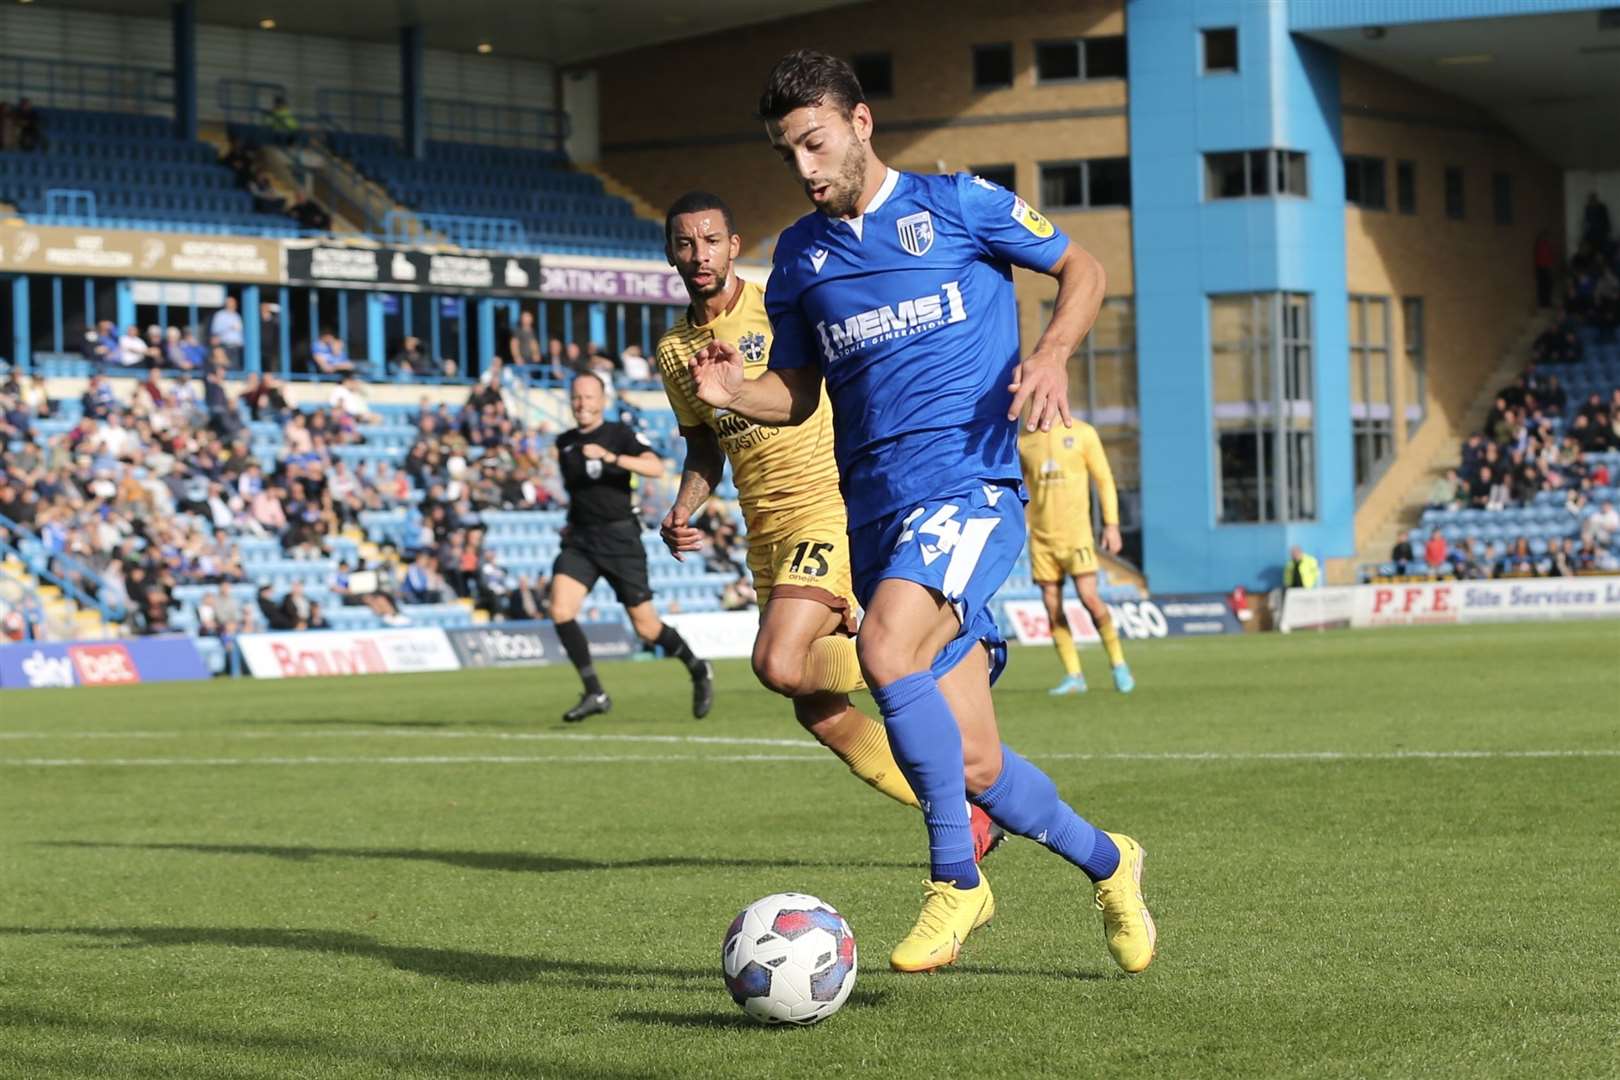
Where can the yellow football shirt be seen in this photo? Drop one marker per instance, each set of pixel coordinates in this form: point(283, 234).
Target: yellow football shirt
point(1059, 466)
point(780, 472)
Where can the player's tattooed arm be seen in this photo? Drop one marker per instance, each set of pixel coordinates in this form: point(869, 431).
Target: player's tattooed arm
point(1041, 382)
point(779, 397)
point(701, 474)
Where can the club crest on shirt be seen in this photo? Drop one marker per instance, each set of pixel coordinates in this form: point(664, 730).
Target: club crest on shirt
point(916, 232)
point(1068, 442)
point(752, 346)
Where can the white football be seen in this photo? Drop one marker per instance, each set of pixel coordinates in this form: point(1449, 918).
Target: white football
point(789, 959)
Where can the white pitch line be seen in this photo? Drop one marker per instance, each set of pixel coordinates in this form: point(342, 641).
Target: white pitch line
point(732, 759)
point(415, 733)
point(438, 759)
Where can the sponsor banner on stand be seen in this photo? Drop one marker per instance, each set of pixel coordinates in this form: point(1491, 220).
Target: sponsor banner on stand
point(340, 652)
point(39, 664)
point(649, 283)
point(1448, 603)
point(533, 644)
point(56, 249)
point(1158, 617)
point(718, 634)
point(410, 270)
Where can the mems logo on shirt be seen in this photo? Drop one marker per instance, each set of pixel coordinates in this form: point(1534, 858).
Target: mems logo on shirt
point(905, 319)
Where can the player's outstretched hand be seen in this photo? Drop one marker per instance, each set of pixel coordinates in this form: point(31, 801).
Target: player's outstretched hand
point(1043, 388)
point(1111, 540)
point(717, 373)
point(678, 535)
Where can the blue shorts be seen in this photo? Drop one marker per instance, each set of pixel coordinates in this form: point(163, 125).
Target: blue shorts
point(962, 545)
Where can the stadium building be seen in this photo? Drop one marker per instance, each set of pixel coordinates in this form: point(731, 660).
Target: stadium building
point(1320, 219)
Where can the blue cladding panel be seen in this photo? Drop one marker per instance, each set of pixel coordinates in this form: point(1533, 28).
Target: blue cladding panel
point(1285, 95)
point(1342, 14)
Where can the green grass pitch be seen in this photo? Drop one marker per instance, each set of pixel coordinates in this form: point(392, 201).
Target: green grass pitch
point(1379, 854)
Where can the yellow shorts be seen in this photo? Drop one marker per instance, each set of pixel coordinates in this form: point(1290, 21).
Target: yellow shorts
point(809, 559)
point(1054, 562)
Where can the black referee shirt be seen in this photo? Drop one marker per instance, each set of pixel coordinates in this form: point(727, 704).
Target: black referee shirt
point(598, 493)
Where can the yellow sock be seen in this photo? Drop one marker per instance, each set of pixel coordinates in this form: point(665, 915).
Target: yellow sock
point(1110, 640)
point(1063, 638)
point(863, 745)
point(831, 665)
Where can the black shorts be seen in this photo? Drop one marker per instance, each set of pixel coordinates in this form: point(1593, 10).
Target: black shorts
point(607, 551)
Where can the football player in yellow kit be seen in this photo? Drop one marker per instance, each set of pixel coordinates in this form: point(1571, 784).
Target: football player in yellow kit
point(787, 483)
point(1059, 466)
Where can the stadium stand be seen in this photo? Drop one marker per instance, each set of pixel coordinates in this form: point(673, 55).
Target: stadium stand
point(463, 190)
point(120, 169)
point(1535, 493)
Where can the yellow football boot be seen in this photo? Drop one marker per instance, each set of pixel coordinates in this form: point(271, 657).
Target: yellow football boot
point(1127, 923)
point(948, 916)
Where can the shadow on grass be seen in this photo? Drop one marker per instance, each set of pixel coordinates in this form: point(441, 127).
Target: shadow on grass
point(713, 1020)
point(513, 861)
point(460, 965)
point(157, 1041)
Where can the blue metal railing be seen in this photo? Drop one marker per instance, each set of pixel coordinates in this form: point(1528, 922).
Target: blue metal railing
point(72, 202)
point(40, 566)
point(463, 230)
point(76, 84)
point(371, 112)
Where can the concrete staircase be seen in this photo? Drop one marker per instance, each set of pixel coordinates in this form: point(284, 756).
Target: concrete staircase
point(282, 171)
point(1375, 538)
point(64, 620)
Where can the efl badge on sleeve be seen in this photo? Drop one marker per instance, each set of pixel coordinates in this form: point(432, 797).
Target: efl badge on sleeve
point(916, 232)
point(1031, 219)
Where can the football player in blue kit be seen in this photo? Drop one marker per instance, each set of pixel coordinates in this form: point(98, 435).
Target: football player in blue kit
point(898, 293)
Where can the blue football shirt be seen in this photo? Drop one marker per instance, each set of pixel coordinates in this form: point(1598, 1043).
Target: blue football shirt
point(909, 313)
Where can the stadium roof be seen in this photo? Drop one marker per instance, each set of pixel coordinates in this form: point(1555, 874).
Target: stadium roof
point(1552, 79)
point(560, 31)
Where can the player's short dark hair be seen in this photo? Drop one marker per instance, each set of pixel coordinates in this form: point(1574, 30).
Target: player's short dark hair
point(805, 77)
point(691, 203)
point(578, 375)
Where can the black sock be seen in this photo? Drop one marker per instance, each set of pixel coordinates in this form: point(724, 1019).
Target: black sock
point(670, 640)
point(579, 654)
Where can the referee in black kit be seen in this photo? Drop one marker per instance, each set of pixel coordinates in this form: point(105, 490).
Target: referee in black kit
point(603, 539)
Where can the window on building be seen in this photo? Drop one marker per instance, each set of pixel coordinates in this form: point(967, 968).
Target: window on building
point(1005, 175)
point(1220, 49)
point(1406, 186)
point(1080, 58)
point(992, 66)
point(1372, 390)
point(1417, 373)
point(876, 73)
point(1238, 174)
point(1103, 391)
point(1455, 208)
point(1364, 182)
point(1262, 378)
point(1086, 185)
point(1502, 197)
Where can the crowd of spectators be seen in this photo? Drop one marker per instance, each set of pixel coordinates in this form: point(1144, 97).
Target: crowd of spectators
point(246, 161)
point(1473, 559)
point(155, 489)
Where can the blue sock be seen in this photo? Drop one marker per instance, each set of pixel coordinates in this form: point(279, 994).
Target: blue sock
point(928, 747)
point(1024, 800)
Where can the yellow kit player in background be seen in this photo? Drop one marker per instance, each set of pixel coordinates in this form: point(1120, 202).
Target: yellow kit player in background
point(787, 482)
point(1059, 467)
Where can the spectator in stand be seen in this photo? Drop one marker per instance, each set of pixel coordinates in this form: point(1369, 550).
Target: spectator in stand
point(1519, 561)
point(525, 343)
point(411, 360)
point(1443, 494)
point(636, 368)
point(264, 398)
point(1595, 226)
point(527, 601)
point(1479, 489)
point(1435, 552)
point(98, 400)
point(330, 356)
point(28, 127)
point(309, 214)
point(1602, 526)
point(283, 123)
point(422, 582)
point(296, 607)
point(265, 198)
point(271, 612)
point(494, 585)
point(349, 399)
point(175, 356)
point(317, 620)
point(222, 415)
point(1402, 555)
point(132, 348)
point(225, 331)
point(1546, 261)
point(1562, 561)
